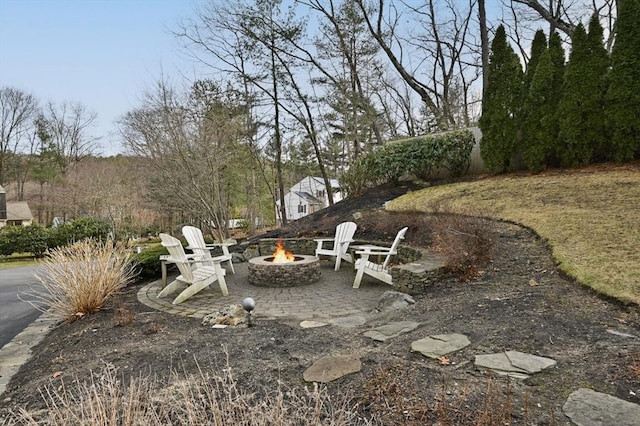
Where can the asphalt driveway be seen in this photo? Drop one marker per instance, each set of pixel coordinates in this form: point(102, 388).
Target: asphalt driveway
point(15, 314)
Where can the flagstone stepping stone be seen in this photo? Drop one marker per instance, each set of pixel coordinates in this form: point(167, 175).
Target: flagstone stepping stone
point(312, 324)
point(513, 363)
point(329, 368)
point(586, 407)
point(348, 322)
point(441, 344)
point(391, 330)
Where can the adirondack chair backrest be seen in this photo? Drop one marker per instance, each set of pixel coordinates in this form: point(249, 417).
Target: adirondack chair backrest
point(176, 252)
point(195, 238)
point(344, 232)
point(394, 247)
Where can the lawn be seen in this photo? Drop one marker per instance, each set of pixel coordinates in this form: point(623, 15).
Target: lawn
point(17, 259)
point(590, 217)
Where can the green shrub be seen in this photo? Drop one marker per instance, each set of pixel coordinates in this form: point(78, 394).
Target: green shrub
point(34, 240)
point(24, 239)
point(78, 230)
point(147, 262)
point(418, 156)
point(10, 239)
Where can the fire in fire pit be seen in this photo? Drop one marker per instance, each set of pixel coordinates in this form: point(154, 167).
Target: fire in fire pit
point(283, 269)
point(281, 255)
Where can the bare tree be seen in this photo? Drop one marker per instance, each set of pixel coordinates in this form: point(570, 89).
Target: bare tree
point(68, 127)
point(441, 48)
point(18, 109)
point(561, 15)
point(189, 141)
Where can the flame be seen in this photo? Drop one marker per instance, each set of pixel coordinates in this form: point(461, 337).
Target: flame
point(281, 256)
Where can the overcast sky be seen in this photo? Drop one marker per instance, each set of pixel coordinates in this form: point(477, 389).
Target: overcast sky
point(101, 53)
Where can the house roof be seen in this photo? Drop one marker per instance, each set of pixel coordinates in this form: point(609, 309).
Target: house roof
point(307, 197)
point(334, 182)
point(18, 210)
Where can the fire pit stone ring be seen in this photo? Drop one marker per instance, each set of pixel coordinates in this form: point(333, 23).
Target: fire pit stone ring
point(302, 270)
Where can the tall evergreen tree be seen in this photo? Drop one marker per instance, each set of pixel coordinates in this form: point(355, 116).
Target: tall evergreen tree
point(529, 121)
point(543, 99)
point(581, 112)
point(623, 96)
point(538, 46)
point(501, 105)
point(595, 127)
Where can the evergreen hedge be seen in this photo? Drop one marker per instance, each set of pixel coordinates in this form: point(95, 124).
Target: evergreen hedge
point(36, 239)
point(418, 156)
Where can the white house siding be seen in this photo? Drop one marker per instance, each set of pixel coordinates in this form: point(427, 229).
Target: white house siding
point(308, 196)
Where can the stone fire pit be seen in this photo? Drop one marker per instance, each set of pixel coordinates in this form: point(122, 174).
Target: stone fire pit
point(303, 270)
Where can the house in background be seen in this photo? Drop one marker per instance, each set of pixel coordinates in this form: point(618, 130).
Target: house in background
point(308, 196)
point(14, 212)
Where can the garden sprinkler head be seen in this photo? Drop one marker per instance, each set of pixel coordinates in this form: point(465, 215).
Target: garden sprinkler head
point(249, 305)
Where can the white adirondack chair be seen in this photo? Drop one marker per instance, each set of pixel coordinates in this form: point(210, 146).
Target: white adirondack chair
point(195, 239)
point(377, 270)
point(341, 241)
point(196, 278)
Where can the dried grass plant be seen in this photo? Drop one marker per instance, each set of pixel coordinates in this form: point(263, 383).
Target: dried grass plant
point(79, 278)
point(200, 399)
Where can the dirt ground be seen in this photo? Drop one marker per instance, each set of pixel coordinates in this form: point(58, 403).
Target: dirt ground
point(521, 303)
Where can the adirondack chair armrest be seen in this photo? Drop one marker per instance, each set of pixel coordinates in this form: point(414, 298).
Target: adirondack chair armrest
point(370, 249)
point(222, 244)
point(323, 239)
point(374, 252)
point(191, 259)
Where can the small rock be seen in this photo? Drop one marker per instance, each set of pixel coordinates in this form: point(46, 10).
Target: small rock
point(233, 315)
point(393, 301)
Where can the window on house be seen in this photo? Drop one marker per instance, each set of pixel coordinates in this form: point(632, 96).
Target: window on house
point(320, 194)
point(302, 208)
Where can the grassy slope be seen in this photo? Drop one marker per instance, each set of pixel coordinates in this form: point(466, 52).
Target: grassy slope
point(591, 218)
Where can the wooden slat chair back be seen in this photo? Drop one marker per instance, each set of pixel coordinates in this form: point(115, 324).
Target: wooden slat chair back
point(377, 270)
point(193, 272)
point(196, 243)
point(343, 237)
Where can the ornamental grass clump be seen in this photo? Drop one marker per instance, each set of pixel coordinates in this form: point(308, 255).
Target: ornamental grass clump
point(79, 278)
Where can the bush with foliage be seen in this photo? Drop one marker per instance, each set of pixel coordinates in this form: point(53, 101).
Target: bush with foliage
point(10, 240)
point(80, 229)
point(418, 156)
point(147, 262)
point(36, 239)
point(83, 228)
point(24, 239)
